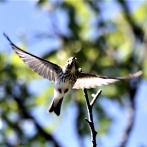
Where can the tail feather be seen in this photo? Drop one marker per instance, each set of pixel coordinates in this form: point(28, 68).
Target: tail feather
point(55, 108)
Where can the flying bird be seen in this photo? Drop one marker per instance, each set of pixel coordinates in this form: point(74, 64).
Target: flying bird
point(65, 78)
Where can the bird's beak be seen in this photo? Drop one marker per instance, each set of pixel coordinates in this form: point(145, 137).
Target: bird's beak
point(74, 58)
point(74, 61)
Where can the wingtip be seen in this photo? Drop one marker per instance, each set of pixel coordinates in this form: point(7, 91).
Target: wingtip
point(5, 35)
point(7, 38)
point(139, 73)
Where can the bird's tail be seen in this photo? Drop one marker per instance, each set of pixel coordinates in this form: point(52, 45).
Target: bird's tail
point(55, 106)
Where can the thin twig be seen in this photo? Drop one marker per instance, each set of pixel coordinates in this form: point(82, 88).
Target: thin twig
point(90, 116)
point(95, 96)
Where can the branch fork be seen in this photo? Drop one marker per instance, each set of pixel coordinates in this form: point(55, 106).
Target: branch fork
point(89, 120)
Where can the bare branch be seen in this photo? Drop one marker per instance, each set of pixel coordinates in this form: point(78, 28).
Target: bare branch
point(89, 120)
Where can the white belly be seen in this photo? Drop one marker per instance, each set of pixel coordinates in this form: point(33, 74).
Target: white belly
point(63, 86)
point(60, 88)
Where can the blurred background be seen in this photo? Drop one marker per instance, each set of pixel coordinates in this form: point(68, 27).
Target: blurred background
point(108, 38)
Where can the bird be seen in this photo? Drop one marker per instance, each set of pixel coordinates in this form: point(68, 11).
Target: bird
point(65, 78)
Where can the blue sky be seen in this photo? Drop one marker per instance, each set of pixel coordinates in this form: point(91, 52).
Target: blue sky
point(16, 17)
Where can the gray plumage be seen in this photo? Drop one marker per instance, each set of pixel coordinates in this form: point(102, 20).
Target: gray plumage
point(66, 77)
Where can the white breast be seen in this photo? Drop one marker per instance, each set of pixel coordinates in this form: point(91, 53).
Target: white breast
point(62, 85)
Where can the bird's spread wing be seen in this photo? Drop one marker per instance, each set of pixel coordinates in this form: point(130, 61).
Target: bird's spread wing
point(43, 67)
point(87, 81)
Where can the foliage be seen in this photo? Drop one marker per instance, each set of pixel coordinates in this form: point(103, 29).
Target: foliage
point(111, 47)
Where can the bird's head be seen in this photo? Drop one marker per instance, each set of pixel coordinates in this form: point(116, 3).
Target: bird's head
point(71, 65)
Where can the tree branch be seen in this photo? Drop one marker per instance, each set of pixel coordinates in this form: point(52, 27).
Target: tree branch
point(90, 116)
point(138, 32)
point(131, 112)
point(129, 127)
point(27, 115)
